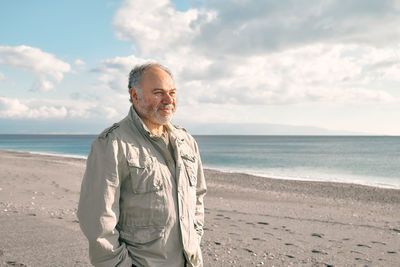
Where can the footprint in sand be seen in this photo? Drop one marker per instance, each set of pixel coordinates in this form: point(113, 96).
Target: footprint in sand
point(14, 263)
point(248, 250)
point(356, 252)
point(362, 245)
point(360, 259)
point(377, 242)
point(317, 235)
point(315, 251)
point(219, 216)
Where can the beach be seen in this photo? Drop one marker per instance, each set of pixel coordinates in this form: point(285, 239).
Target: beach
point(250, 221)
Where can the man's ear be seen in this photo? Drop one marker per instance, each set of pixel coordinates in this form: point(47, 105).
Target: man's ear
point(133, 93)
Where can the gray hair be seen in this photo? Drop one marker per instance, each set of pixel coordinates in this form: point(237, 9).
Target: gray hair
point(136, 75)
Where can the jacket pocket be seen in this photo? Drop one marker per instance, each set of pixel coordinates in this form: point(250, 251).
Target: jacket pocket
point(143, 174)
point(141, 235)
point(148, 201)
point(189, 161)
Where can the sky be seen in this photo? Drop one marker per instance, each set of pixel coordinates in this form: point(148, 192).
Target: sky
point(240, 66)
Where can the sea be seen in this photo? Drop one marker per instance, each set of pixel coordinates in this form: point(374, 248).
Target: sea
point(367, 160)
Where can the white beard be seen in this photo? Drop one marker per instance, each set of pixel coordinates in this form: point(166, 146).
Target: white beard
point(152, 116)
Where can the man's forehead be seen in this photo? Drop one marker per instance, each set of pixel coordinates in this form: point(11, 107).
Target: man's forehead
point(156, 75)
point(156, 71)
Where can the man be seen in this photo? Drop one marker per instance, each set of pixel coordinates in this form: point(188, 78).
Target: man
point(141, 201)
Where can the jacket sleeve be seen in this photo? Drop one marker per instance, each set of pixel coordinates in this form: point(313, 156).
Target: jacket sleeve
point(98, 209)
point(201, 190)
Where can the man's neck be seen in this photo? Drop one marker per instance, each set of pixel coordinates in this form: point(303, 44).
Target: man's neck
point(155, 129)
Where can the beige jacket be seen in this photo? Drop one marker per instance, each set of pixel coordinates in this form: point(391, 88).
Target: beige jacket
point(125, 203)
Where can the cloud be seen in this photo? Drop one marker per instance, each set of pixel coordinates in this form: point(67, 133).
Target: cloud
point(251, 28)
point(275, 53)
point(156, 26)
point(2, 76)
point(114, 72)
point(105, 108)
point(14, 108)
point(79, 62)
point(315, 73)
point(45, 66)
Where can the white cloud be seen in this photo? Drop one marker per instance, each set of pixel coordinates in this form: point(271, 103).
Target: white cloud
point(79, 62)
point(103, 108)
point(244, 52)
point(314, 73)
point(251, 28)
point(114, 72)
point(14, 108)
point(2, 76)
point(155, 26)
point(45, 66)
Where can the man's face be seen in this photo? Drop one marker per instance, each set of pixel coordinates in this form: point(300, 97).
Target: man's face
point(157, 101)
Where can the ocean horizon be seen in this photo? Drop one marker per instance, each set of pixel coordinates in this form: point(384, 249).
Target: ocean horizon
point(366, 160)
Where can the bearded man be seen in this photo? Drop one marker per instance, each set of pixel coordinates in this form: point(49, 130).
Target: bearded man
point(141, 200)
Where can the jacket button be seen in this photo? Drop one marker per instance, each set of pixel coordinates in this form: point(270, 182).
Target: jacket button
point(182, 217)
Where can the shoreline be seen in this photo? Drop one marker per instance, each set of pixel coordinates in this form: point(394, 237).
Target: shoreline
point(223, 170)
point(250, 220)
point(299, 179)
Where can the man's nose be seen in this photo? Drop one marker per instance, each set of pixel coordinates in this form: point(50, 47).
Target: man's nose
point(168, 99)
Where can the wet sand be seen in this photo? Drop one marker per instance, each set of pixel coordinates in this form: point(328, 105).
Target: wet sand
point(250, 221)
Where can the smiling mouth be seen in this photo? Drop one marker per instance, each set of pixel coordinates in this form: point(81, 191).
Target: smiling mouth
point(166, 108)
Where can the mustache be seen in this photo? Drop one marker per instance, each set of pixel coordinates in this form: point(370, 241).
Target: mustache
point(169, 106)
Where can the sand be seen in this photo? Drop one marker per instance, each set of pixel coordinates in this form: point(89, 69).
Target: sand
point(250, 221)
